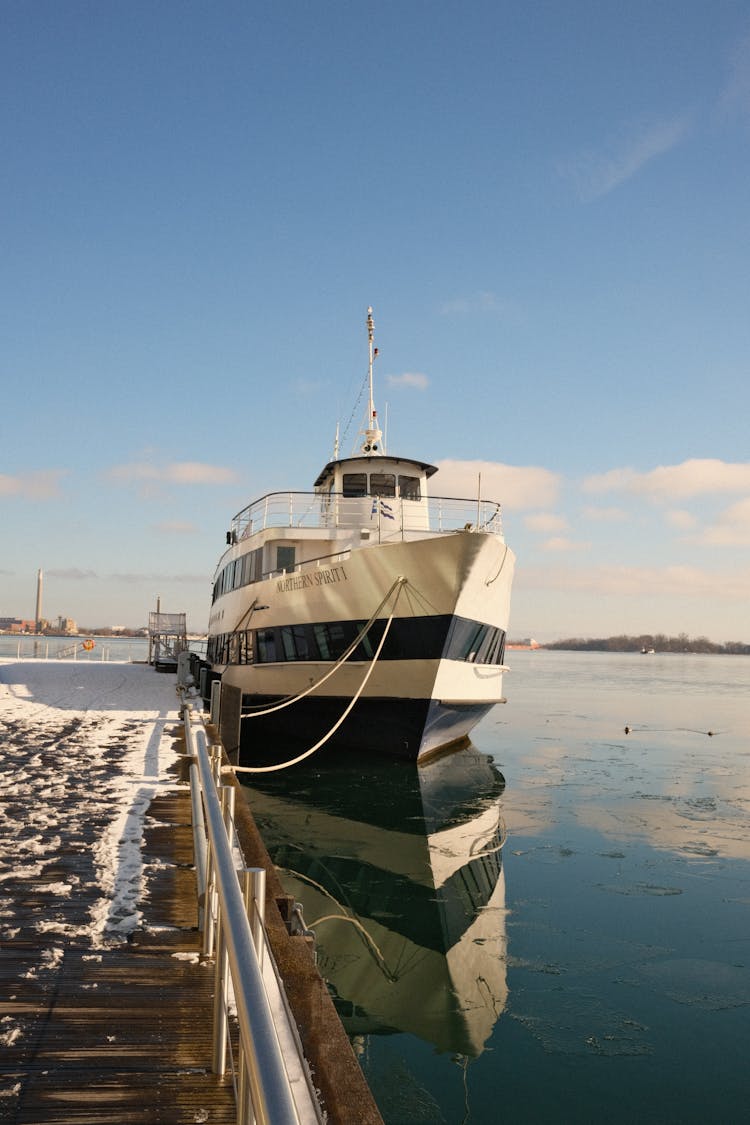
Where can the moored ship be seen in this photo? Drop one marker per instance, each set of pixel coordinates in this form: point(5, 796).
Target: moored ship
point(367, 613)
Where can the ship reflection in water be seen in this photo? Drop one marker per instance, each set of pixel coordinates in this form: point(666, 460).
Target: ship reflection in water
point(399, 872)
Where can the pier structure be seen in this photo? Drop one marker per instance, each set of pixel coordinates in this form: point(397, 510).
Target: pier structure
point(110, 988)
point(167, 638)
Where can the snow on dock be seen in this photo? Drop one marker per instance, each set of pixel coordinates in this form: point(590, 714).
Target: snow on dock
point(105, 1009)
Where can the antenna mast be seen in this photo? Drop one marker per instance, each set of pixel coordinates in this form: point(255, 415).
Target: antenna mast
point(373, 442)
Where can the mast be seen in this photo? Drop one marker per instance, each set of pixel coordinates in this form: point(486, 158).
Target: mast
point(39, 584)
point(373, 436)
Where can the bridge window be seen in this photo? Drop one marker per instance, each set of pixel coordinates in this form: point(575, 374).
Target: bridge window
point(408, 488)
point(285, 558)
point(355, 484)
point(382, 484)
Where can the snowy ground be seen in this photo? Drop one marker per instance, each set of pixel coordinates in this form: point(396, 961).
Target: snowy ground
point(83, 750)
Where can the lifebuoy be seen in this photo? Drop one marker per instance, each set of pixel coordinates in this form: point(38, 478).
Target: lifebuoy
point(88, 645)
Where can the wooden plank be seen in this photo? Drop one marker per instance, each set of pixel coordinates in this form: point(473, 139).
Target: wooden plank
point(113, 1036)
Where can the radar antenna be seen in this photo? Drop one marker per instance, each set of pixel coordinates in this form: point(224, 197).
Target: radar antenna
point(373, 436)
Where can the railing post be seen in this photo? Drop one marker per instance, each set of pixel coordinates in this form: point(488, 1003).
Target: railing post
point(215, 710)
point(221, 969)
point(268, 1097)
point(209, 907)
point(254, 890)
point(215, 752)
point(254, 896)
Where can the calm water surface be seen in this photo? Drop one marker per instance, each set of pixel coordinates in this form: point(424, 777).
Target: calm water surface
point(49, 648)
point(555, 924)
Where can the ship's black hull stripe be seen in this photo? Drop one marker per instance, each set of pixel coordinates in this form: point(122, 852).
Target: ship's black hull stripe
point(409, 638)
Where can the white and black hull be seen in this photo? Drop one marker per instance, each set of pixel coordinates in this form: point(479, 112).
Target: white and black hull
point(440, 669)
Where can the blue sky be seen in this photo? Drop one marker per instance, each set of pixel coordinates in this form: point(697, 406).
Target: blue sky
point(546, 203)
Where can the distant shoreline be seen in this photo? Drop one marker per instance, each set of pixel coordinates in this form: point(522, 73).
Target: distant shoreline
point(644, 644)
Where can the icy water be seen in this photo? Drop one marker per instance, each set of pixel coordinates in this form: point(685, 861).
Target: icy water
point(133, 649)
point(553, 926)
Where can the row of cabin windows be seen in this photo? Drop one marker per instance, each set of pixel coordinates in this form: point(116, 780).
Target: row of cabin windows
point(381, 484)
point(409, 639)
point(249, 568)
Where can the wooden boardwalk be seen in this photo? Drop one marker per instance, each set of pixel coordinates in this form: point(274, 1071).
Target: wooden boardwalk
point(118, 1034)
point(105, 1006)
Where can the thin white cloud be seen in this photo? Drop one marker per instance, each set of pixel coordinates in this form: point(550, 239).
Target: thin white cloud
point(625, 581)
point(176, 527)
point(177, 472)
point(562, 544)
point(71, 574)
point(37, 486)
point(545, 522)
point(413, 379)
point(163, 580)
point(484, 302)
point(515, 487)
point(681, 519)
point(736, 92)
point(595, 174)
point(731, 529)
point(697, 477)
point(309, 388)
point(605, 515)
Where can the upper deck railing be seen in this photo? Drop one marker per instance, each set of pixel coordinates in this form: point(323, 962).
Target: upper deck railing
point(391, 514)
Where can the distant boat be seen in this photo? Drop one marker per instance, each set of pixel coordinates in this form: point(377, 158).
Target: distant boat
point(647, 651)
point(367, 613)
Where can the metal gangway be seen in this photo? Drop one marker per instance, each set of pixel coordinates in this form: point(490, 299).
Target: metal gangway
point(73, 649)
point(167, 638)
point(271, 1078)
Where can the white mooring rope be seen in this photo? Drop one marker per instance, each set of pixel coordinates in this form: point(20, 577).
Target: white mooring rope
point(398, 585)
point(344, 656)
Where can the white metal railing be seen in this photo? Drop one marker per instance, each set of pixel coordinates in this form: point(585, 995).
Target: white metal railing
point(392, 513)
point(233, 932)
point(40, 648)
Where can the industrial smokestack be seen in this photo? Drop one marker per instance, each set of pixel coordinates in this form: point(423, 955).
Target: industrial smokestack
point(39, 583)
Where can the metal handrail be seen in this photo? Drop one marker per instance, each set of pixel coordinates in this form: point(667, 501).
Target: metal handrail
point(266, 1076)
point(334, 510)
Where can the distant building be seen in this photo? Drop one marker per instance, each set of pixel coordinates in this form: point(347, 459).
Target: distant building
point(16, 625)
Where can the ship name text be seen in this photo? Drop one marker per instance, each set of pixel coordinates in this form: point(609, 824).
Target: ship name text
point(319, 578)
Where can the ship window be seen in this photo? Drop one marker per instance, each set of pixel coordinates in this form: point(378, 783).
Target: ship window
point(294, 640)
point(465, 639)
point(331, 639)
point(256, 565)
point(355, 484)
point(408, 488)
point(266, 642)
point(486, 646)
point(246, 647)
point(321, 639)
point(382, 484)
point(364, 650)
point(494, 651)
point(285, 558)
point(251, 567)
